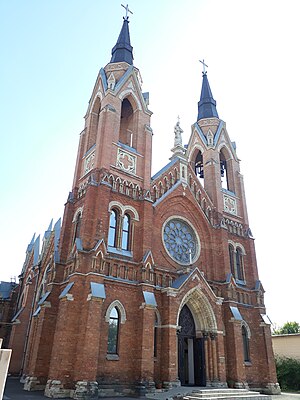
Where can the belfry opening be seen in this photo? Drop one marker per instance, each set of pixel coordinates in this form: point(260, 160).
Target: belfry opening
point(127, 124)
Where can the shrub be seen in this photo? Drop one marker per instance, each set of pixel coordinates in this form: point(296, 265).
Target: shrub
point(288, 373)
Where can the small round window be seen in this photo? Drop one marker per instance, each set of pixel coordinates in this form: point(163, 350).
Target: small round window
point(180, 241)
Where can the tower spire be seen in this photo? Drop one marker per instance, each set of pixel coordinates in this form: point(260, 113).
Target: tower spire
point(207, 105)
point(122, 51)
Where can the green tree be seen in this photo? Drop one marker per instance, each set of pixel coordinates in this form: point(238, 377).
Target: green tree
point(288, 372)
point(288, 327)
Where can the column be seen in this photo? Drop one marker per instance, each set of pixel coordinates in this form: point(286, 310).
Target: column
point(146, 349)
point(214, 356)
point(210, 360)
point(235, 355)
point(169, 355)
point(206, 338)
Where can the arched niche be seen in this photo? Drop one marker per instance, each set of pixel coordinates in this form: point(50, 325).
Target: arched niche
point(226, 169)
point(93, 123)
point(128, 123)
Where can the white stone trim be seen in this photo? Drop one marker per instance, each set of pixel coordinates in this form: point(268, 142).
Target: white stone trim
point(121, 309)
point(201, 310)
point(124, 94)
point(123, 209)
point(244, 323)
point(78, 211)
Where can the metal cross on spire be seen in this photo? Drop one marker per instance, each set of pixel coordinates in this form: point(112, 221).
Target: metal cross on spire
point(127, 11)
point(204, 65)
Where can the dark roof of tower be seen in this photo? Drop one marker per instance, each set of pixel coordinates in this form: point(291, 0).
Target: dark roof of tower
point(207, 104)
point(122, 51)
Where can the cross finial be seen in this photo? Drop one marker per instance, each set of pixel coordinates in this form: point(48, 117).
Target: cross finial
point(178, 119)
point(204, 65)
point(127, 11)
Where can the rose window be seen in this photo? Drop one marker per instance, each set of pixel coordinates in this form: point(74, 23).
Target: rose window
point(180, 241)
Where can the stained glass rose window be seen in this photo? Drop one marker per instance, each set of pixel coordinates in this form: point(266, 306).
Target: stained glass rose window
point(180, 241)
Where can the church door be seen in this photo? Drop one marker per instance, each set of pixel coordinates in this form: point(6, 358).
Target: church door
point(191, 359)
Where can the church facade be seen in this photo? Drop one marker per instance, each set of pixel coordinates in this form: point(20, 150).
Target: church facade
point(147, 281)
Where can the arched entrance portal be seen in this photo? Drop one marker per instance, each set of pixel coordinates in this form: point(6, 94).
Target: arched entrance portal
point(197, 340)
point(191, 355)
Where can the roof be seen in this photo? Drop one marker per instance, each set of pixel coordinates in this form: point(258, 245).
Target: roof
point(122, 51)
point(207, 105)
point(5, 289)
point(285, 335)
point(180, 280)
point(164, 169)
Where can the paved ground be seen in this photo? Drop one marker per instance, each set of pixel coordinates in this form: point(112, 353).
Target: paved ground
point(14, 391)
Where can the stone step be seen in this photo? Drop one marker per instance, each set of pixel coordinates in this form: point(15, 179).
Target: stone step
point(198, 393)
point(231, 397)
point(218, 391)
point(225, 394)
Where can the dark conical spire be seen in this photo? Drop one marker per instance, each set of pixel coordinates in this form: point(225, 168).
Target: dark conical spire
point(207, 104)
point(122, 51)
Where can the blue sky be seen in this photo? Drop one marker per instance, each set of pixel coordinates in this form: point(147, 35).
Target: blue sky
point(51, 54)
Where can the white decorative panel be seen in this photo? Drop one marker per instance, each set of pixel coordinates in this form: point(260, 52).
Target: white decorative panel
point(126, 161)
point(89, 163)
point(229, 204)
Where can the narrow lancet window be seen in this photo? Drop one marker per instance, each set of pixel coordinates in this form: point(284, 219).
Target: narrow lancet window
point(231, 258)
point(239, 264)
point(236, 259)
point(125, 232)
point(199, 170)
point(113, 331)
point(224, 172)
point(155, 336)
point(112, 233)
point(77, 227)
point(127, 124)
point(245, 344)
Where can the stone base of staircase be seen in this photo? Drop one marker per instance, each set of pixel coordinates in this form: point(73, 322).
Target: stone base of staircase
point(223, 394)
point(198, 393)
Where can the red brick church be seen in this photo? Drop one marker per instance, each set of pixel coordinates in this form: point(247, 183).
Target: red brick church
point(147, 281)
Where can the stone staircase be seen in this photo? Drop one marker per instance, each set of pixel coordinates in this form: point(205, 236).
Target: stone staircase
point(200, 393)
point(223, 394)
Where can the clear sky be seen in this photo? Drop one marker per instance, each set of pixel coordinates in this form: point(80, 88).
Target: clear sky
point(51, 52)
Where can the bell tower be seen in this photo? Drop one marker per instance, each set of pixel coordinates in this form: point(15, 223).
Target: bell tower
point(103, 233)
point(213, 157)
point(114, 147)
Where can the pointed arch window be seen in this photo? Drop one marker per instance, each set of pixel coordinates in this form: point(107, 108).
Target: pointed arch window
point(239, 264)
point(224, 172)
point(246, 347)
point(77, 227)
point(125, 232)
point(236, 259)
point(155, 335)
point(231, 258)
point(93, 123)
point(112, 233)
point(120, 232)
point(113, 331)
point(127, 124)
point(122, 220)
point(199, 170)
